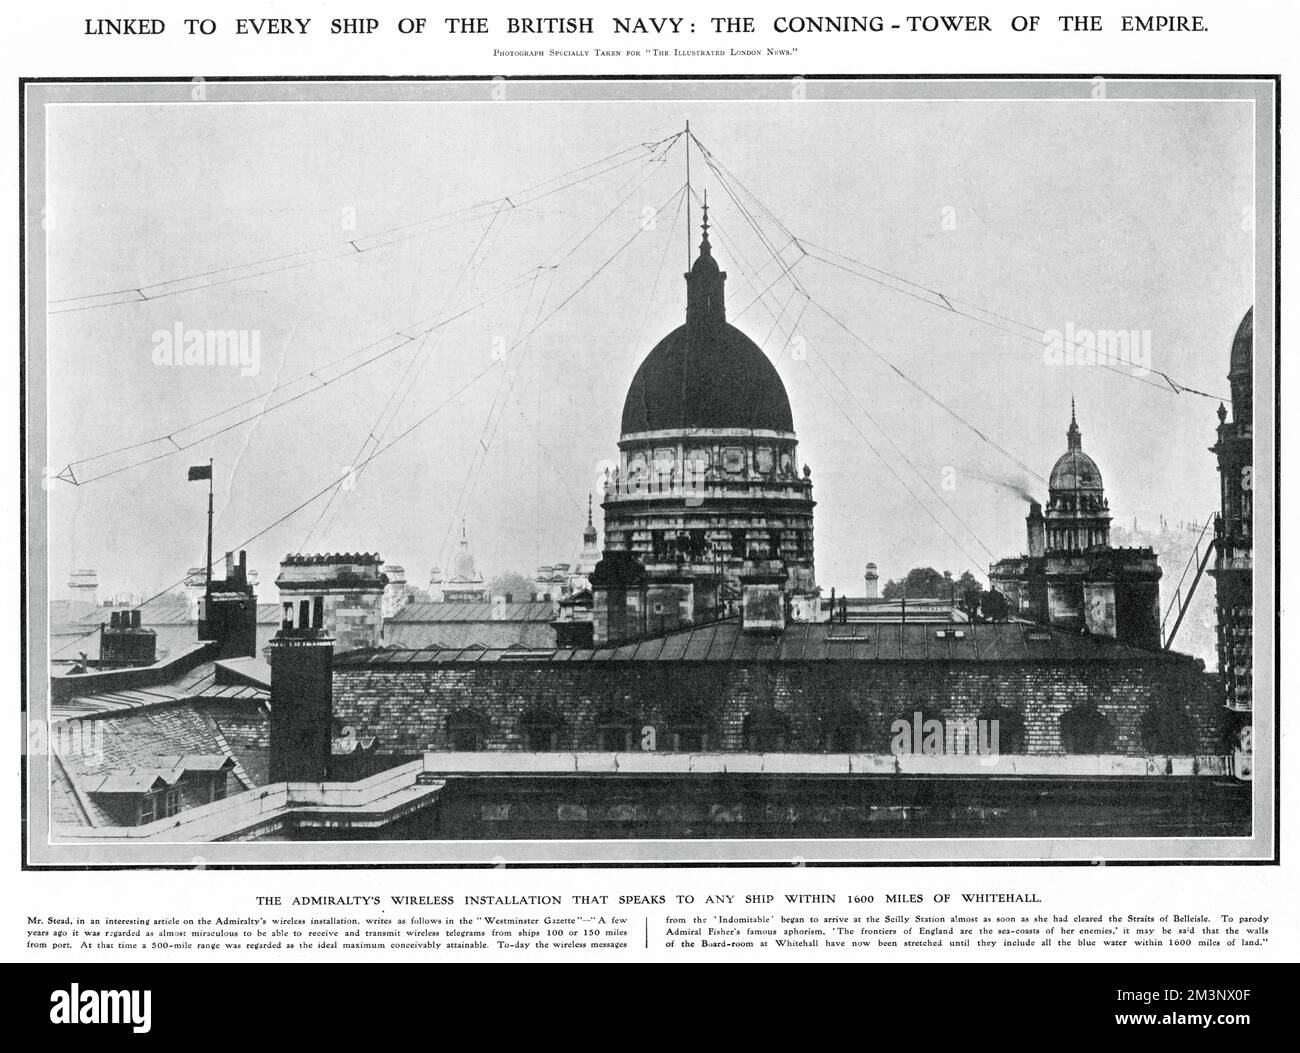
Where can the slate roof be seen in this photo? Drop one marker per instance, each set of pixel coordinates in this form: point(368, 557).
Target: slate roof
point(135, 782)
point(252, 672)
point(535, 611)
point(129, 751)
point(208, 717)
point(460, 625)
point(175, 630)
point(724, 641)
point(197, 683)
point(459, 635)
point(206, 762)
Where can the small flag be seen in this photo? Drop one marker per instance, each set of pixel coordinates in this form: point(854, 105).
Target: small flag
point(200, 471)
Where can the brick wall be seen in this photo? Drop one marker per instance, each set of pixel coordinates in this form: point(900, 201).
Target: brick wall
point(407, 707)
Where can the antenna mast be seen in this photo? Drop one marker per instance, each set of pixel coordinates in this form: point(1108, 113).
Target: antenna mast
point(688, 193)
point(207, 577)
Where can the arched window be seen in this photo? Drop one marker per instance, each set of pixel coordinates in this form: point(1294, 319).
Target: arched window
point(767, 731)
point(540, 729)
point(684, 732)
point(617, 732)
point(1167, 729)
point(1085, 730)
point(467, 731)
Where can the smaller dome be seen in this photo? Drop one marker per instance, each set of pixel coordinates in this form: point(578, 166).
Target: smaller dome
point(462, 564)
point(704, 262)
point(462, 567)
point(1243, 347)
point(1075, 470)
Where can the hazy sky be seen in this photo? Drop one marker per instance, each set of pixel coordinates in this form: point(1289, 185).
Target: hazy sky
point(1101, 215)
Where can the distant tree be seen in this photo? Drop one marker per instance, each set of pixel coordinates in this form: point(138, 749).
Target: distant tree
point(513, 584)
point(993, 606)
point(926, 583)
point(919, 583)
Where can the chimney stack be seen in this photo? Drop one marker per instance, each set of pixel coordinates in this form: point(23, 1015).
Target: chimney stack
point(124, 643)
point(618, 599)
point(1037, 530)
point(228, 614)
point(762, 598)
point(302, 705)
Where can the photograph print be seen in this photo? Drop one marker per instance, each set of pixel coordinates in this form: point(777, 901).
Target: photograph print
point(650, 471)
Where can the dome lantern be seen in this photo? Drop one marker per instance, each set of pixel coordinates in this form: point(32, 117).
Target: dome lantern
point(705, 281)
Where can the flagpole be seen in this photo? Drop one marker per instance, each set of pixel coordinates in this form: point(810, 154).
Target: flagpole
point(208, 577)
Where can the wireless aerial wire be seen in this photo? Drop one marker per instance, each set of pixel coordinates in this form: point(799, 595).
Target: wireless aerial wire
point(87, 469)
point(932, 297)
point(761, 297)
point(352, 248)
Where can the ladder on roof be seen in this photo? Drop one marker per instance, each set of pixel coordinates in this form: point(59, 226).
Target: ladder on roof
point(1200, 556)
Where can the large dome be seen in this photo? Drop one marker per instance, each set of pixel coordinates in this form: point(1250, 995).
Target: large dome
point(1075, 470)
point(706, 377)
point(706, 373)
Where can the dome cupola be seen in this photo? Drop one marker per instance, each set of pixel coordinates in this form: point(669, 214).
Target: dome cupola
point(1078, 514)
point(1074, 469)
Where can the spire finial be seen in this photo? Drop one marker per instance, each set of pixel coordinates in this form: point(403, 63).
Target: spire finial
point(703, 242)
point(1072, 435)
point(463, 535)
point(589, 534)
